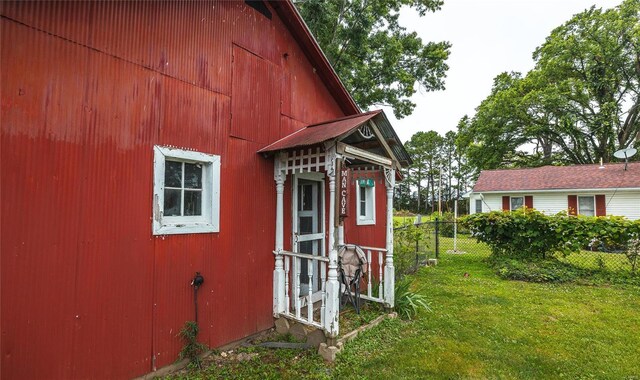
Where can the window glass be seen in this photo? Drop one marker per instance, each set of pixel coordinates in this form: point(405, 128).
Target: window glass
point(365, 206)
point(193, 176)
point(172, 202)
point(172, 174)
point(478, 205)
point(179, 200)
point(516, 203)
point(305, 201)
point(586, 206)
point(192, 202)
point(306, 225)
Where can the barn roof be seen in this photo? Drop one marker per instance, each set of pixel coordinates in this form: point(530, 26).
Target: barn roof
point(560, 177)
point(328, 130)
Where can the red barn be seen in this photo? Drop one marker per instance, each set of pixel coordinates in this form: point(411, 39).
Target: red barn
point(140, 144)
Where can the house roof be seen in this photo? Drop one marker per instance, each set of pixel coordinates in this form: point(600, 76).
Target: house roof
point(298, 28)
point(560, 177)
point(328, 130)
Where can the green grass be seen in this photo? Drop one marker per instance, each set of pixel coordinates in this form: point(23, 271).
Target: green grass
point(480, 327)
point(402, 220)
point(483, 327)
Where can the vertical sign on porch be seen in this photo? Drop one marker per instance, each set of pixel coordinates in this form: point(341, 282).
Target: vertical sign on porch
point(343, 199)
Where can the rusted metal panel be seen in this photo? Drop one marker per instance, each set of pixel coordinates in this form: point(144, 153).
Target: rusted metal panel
point(88, 88)
point(254, 32)
point(35, 300)
point(255, 116)
point(317, 133)
point(368, 235)
point(289, 125)
point(169, 37)
point(296, 26)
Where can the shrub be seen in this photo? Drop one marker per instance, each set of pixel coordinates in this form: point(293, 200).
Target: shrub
point(522, 233)
point(531, 234)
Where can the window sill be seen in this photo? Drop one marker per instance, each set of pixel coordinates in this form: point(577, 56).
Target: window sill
point(185, 228)
point(365, 222)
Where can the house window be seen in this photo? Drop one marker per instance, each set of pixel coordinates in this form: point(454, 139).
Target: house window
point(516, 203)
point(586, 206)
point(478, 205)
point(186, 192)
point(365, 202)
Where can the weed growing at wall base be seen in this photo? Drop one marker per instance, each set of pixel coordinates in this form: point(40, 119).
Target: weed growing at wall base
point(192, 348)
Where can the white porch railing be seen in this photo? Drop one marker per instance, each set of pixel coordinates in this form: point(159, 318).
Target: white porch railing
point(299, 292)
point(380, 255)
point(299, 295)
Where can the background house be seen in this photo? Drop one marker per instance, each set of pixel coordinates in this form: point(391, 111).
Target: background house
point(582, 189)
point(129, 151)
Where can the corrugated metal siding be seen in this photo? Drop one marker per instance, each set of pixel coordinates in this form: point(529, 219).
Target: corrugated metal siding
point(87, 90)
point(368, 235)
point(255, 117)
point(372, 235)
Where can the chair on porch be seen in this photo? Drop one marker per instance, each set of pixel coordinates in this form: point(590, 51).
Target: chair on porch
point(352, 265)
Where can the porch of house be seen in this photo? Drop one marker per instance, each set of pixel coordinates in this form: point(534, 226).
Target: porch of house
point(332, 154)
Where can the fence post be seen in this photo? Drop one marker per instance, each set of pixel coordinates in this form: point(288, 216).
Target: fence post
point(417, 223)
point(437, 239)
point(417, 247)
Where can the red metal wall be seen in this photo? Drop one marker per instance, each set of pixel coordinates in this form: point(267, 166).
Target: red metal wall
point(87, 90)
point(367, 235)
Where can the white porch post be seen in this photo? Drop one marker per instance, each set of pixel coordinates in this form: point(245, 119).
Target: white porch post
point(280, 176)
point(389, 275)
point(333, 286)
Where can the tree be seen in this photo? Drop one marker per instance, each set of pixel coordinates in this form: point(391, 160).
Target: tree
point(425, 149)
point(492, 137)
point(580, 103)
point(377, 59)
point(594, 62)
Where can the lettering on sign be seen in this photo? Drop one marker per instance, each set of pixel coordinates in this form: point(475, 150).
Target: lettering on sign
point(343, 203)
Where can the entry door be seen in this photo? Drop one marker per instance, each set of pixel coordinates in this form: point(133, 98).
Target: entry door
point(308, 227)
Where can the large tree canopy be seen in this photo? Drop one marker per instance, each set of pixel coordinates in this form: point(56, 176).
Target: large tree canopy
point(378, 61)
point(578, 105)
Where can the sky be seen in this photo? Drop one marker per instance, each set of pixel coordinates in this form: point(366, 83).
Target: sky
point(488, 37)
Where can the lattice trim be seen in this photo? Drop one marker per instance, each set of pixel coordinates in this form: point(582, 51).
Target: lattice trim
point(301, 161)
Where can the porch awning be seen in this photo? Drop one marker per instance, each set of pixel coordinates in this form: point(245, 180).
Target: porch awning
point(332, 129)
point(317, 133)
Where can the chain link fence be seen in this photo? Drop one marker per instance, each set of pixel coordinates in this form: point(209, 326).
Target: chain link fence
point(424, 243)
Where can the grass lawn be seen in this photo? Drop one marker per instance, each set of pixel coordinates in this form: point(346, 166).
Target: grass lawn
point(480, 327)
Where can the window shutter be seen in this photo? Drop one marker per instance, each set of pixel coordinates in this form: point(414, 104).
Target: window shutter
point(601, 207)
point(573, 204)
point(528, 201)
point(506, 204)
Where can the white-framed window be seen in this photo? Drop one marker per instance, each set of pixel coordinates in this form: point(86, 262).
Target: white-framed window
point(516, 203)
point(478, 205)
point(587, 205)
point(365, 202)
point(186, 192)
